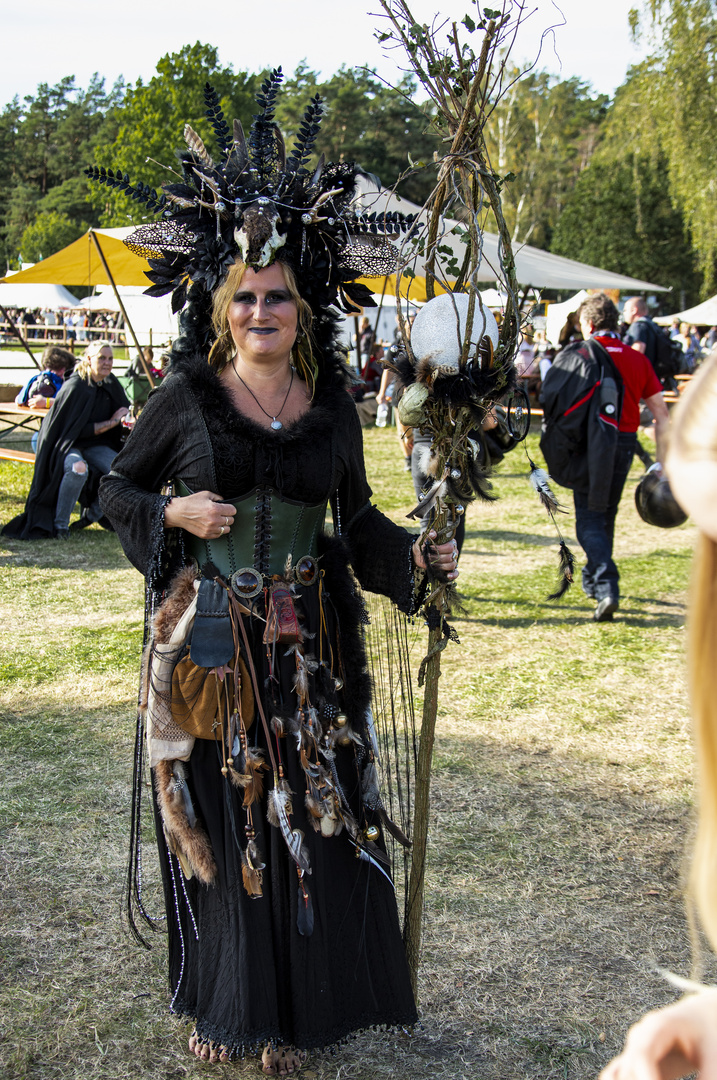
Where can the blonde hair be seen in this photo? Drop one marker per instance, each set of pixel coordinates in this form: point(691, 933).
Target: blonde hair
point(694, 437)
point(84, 367)
point(223, 349)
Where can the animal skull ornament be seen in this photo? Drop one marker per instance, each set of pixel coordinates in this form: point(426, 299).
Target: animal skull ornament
point(258, 239)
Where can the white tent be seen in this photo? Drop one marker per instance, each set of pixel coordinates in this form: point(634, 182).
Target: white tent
point(36, 296)
point(533, 267)
point(705, 314)
point(145, 312)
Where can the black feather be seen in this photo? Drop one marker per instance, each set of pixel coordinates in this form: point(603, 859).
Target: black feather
point(216, 119)
point(565, 572)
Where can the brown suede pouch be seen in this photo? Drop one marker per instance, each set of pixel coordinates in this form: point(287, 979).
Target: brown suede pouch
point(196, 703)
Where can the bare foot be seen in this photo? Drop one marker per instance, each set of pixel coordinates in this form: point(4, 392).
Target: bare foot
point(282, 1060)
point(207, 1051)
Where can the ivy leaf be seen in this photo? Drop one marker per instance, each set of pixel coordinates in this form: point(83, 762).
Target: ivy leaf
point(408, 272)
point(491, 14)
point(468, 23)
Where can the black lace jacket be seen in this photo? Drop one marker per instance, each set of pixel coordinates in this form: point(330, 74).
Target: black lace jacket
point(190, 430)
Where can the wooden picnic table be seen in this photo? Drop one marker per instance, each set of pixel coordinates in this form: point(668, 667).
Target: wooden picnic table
point(19, 418)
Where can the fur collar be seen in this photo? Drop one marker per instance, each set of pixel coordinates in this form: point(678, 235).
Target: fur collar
point(331, 402)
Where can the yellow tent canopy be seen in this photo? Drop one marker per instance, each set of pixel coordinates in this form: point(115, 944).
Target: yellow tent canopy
point(79, 263)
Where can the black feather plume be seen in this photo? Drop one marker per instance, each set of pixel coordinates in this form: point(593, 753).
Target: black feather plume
point(262, 137)
point(565, 572)
point(216, 119)
point(306, 138)
point(141, 193)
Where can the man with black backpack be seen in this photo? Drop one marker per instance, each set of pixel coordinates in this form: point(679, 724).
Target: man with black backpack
point(664, 353)
point(591, 403)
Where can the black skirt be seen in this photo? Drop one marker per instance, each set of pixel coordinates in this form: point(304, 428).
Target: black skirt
point(239, 966)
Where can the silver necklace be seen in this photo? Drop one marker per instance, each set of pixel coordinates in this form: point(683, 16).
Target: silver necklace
point(275, 422)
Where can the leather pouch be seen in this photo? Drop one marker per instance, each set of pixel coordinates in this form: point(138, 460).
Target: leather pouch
point(212, 642)
point(282, 623)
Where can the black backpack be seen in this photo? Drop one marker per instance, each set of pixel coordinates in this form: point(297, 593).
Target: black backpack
point(582, 402)
point(669, 357)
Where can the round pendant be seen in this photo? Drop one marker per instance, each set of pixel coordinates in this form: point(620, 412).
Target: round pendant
point(277, 425)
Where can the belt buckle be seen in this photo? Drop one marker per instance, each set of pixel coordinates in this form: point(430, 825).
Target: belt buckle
point(247, 582)
point(306, 571)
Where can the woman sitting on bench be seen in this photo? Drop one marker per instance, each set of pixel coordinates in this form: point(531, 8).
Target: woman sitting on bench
point(78, 442)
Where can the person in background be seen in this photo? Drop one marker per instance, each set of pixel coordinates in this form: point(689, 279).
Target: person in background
point(686, 340)
point(570, 331)
point(681, 1039)
point(710, 339)
point(78, 442)
point(69, 325)
point(390, 391)
point(595, 529)
point(42, 387)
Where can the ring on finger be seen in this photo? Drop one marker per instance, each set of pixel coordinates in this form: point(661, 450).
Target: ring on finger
point(226, 522)
point(221, 530)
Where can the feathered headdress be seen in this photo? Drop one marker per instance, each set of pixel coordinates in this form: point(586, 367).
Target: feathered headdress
point(259, 204)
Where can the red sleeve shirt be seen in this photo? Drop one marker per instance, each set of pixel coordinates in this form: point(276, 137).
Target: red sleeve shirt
point(638, 376)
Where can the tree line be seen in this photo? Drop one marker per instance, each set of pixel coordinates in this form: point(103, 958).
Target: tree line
point(626, 184)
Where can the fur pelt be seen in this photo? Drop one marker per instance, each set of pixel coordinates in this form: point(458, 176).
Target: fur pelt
point(189, 843)
point(178, 599)
point(180, 595)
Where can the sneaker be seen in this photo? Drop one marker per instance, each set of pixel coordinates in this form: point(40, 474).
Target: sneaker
point(62, 534)
point(407, 464)
point(605, 609)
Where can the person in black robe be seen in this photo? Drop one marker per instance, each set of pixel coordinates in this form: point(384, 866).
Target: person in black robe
point(81, 435)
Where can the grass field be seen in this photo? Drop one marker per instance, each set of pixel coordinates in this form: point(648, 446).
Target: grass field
point(561, 807)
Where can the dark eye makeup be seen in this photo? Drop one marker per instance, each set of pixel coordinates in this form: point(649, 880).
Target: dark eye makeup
point(277, 297)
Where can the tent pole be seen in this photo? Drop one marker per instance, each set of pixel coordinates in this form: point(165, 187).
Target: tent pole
point(17, 334)
point(358, 343)
point(128, 324)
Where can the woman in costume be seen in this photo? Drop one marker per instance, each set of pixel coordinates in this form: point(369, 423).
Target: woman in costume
point(283, 928)
point(682, 1038)
point(78, 442)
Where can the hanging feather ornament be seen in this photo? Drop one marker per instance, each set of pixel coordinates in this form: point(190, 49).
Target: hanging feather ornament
point(252, 870)
point(565, 571)
point(541, 483)
point(304, 909)
point(278, 811)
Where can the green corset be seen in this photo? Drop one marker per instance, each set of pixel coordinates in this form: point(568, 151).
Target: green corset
point(266, 530)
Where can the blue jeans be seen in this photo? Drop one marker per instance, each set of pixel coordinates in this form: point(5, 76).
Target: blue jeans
point(100, 459)
point(595, 529)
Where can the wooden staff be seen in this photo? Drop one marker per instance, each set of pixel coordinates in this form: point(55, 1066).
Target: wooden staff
point(460, 83)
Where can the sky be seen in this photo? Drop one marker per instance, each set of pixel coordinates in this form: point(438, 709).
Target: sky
point(44, 40)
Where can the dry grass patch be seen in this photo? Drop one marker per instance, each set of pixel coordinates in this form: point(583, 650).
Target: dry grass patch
point(561, 807)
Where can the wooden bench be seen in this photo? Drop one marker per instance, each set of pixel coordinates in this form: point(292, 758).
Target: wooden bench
point(16, 455)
